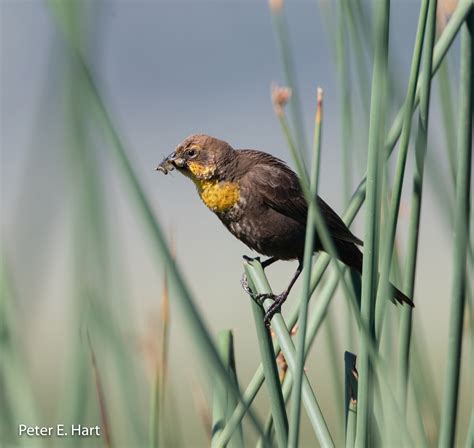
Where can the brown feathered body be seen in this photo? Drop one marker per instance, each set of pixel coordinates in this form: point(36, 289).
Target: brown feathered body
point(270, 216)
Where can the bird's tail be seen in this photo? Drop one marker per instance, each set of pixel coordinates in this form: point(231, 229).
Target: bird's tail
point(350, 255)
point(400, 297)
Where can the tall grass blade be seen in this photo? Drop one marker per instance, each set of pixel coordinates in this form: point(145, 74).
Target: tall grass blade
point(350, 381)
point(350, 401)
point(417, 192)
point(281, 32)
point(157, 411)
point(221, 394)
point(305, 295)
point(232, 402)
point(270, 370)
point(286, 389)
point(104, 418)
point(351, 424)
point(345, 104)
point(372, 217)
point(470, 434)
point(461, 236)
point(18, 404)
point(447, 110)
point(383, 292)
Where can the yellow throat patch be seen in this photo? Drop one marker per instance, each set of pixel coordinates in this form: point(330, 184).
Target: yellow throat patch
point(218, 196)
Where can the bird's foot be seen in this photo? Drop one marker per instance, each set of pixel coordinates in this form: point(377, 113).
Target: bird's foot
point(244, 281)
point(245, 285)
point(274, 308)
point(260, 298)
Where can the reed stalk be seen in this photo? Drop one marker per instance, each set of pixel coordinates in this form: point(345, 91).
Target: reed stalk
point(257, 277)
point(460, 237)
point(372, 219)
point(270, 370)
point(104, 415)
point(286, 56)
point(221, 393)
point(383, 292)
point(417, 192)
point(305, 295)
point(157, 411)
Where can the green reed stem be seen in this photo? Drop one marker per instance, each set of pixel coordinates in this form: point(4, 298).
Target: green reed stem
point(157, 405)
point(104, 416)
point(286, 390)
point(305, 295)
point(270, 371)
point(350, 381)
point(357, 41)
point(257, 277)
point(281, 32)
point(18, 401)
point(447, 110)
point(417, 192)
point(295, 152)
point(383, 291)
point(237, 440)
point(351, 424)
point(470, 433)
point(346, 108)
point(461, 236)
point(221, 393)
point(372, 218)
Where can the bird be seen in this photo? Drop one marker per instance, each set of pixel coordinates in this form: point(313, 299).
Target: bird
point(259, 199)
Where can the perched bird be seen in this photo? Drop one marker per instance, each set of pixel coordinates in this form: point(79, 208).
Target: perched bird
point(260, 201)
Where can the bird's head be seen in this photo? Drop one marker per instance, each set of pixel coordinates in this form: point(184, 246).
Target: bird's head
point(199, 157)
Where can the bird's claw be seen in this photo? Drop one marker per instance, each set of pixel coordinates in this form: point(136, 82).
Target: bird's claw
point(267, 295)
point(245, 285)
point(274, 308)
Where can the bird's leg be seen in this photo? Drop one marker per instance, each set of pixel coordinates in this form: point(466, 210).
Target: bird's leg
point(268, 262)
point(244, 282)
point(280, 298)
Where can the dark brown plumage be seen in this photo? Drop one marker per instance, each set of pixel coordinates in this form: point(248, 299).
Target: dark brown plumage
point(260, 201)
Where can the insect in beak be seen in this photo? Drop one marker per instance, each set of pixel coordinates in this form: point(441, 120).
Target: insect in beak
point(170, 163)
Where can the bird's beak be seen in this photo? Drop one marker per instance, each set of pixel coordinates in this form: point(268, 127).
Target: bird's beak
point(170, 163)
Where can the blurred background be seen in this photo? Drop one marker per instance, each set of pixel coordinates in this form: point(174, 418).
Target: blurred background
point(77, 263)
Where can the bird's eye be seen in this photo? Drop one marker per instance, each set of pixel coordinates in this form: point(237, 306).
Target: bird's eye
point(191, 153)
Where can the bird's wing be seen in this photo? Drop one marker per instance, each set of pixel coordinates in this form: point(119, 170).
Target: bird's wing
point(336, 225)
point(279, 188)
